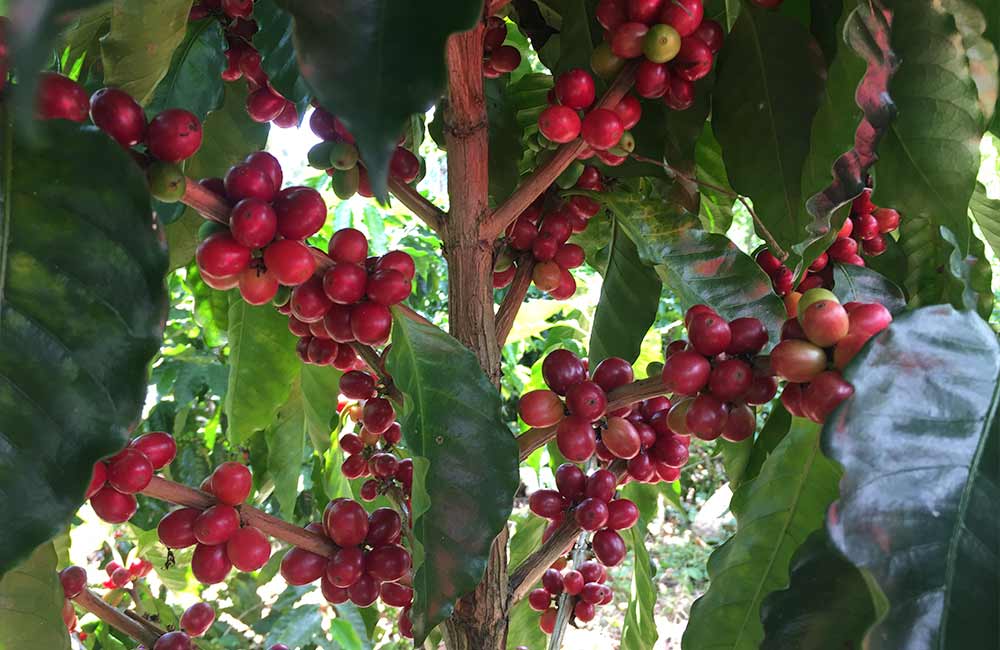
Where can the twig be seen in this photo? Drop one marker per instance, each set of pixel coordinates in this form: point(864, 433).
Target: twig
point(511, 304)
point(543, 176)
point(374, 361)
point(114, 617)
point(145, 622)
point(530, 571)
point(161, 488)
point(629, 394)
point(765, 234)
point(426, 211)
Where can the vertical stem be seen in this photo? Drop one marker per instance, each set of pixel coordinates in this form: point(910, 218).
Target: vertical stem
point(480, 619)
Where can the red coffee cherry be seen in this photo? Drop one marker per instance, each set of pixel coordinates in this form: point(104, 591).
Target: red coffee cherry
point(117, 114)
point(348, 245)
point(371, 322)
point(559, 124)
point(176, 528)
point(384, 526)
point(346, 567)
point(257, 286)
point(396, 595)
point(388, 563)
point(264, 104)
point(562, 369)
point(175, 640)
point(216, 525)
point(129, 471)
point(547, 503)
point(613, 373)
point(73, 580)
point(210, 564)
point(570, 481)
point(98, 477)
point(301, 212)
point(253, 223)
point(60, 98)
point(575, 438)
point(601, 485)
point(686, 372)
point(540, 408)
point(609, 547)
point(345, 522)
point(197, 618)
point(602, 128)
point(158, 446)
point(245, 181)
point(365, 591)
point(575, 89)
point(174, 135)
point(248, 549)
point(300, 567)
point(622, 514)
point(113, 506)
point(220, 255)
point(592, 514)
point(231, 483)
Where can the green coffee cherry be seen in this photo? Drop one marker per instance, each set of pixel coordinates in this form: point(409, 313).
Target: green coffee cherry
point(282, 297)
point(345, 182)
point(319, 155)
point(167, 182)
point(343, 156)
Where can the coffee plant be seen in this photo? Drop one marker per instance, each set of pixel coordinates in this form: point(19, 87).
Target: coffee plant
point(421, 371)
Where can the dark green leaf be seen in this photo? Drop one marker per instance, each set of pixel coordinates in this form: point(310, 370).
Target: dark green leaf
point(775, 512)
point(768, 88)
point(368, 62)
point(465, 465)
point(630, 296)
point(296, 627)
point(285, 446)
point(81, 40)
point(78, 330)
point(986, 212)
point(320, 387)
point(861, 284)
point(646, 496)
point(526, 539)
point(991, 11)
point(716, 206)
point(935, 270)
point(575, 35)
point(275, 43)
point(699, 267)
point(140, 44)
point(505, 140)
point(827, 605)
point(523, 629)
point(193, 81)
point(639, 628)
point(262, 367)
point(736, 459)
point(31, 601)
point(916, 505)
point(930, 158)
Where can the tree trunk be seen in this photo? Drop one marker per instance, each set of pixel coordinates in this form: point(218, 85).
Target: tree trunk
point(480, 620)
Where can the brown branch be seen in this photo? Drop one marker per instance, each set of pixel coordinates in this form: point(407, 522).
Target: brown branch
point(765, 234)
point(418, 204)
point(161, 488)
point(205, 202)
point(114, 617)
point(493, 6)
point(531, 569)
point(519, 286)
point(627, 395)
point(533, 187)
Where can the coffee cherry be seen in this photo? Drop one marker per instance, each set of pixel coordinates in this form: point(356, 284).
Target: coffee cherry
point(559, 124)
point(73, 580)
point(384, 526)
point(300, 567)
point(709, 334)
point(176, 528)
point(253, 223)
point(216, 525)
point(887, 219)
point(592, 514)
point(539, 600)
point(609, 547)
point(571, 481)
point(730, 379)
point(843, 249)
point(613, 373)
point(621, 438)
point(237, 8)
point(388, 287)
point(175, 640)
point(651, 79)
point(686, 372)
point(348, 245)
point(371, 322)
point(740, 423)
point(244, 181)
point(197, 618)
point(210, 564)
point(397, 261)
point(611, 13)
point(346, 359)
point(60, 98)
point(602, 128)
point(345, 522)
point(587, 400)
point(824, 322)
point(378, 415)
point(661, 43)
point(798, 361)
point(762, 390)
point(264, 104)
point(749, 336)
point(231, 483)
point(388, 563)
point(354, 466)
point(345, 283)
point(98, 477)
point(680, 95)
point(575, 89)
point(566, 287)
point(547, 621)
point(627, 39)
point(383, 465)
point(309, 301)
point(671, 450)
point(344, 569)
point(129, 471)
point(257, 287)
point(113, 506)
point(404, 165)
point(569, 256)
point(601, 485)
point(711, 33)
point(592, 572)
point(868, 319)
point(174, 135)
point(396, 595)
point(706, 417)
point(562, 369)
point(791, 399)
point(873, 247)
point(222, 256)
point(505, 58)
point(365, 590)
point(547, 503)
point(552, 581)
point(357, 385)
point(824, 393)
point(540, 408)
point(622, 514)
point(117, 114)
point(575, 438)
point(630, 111)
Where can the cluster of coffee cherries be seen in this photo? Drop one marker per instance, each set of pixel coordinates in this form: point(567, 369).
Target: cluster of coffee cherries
point(349, 301)
point(546, 233)
point(864, 232)
point(120, 576)
point(715, 375)
point(338, 155)
point(585, 584)
point(369, 562)
point(262, 247)
point(604, 130)
point(264, 103)
point(220, 538)
point(674, 41)
point(371, 451)
point(817, 345)
point(663, 453)
point(498, 58)
point(115, 481)
point(172, 136)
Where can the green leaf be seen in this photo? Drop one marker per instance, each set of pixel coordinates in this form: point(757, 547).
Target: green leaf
point(827, 605)
point(193, 81)
point(262, 367)
point(775, 512)
point(922, 522)
point(930, 157)
point(78, 330)
point(526, 539)
point(296, 627)
point(285, 447)
point(861, 284)
point(368, 62)
point(465, 465)
point(986, 213)
point(31, 601)
point(935, 270)
point(523, 630)
point(229, 135)
point(768, 88)
point(576, 42)
point(505, 140)
point(138, 49)
point(630, 296)
point(277, 51)
point(735, 459)
point(639, 628)
point(699, 267)
point(320, 387)
point(81, 39)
